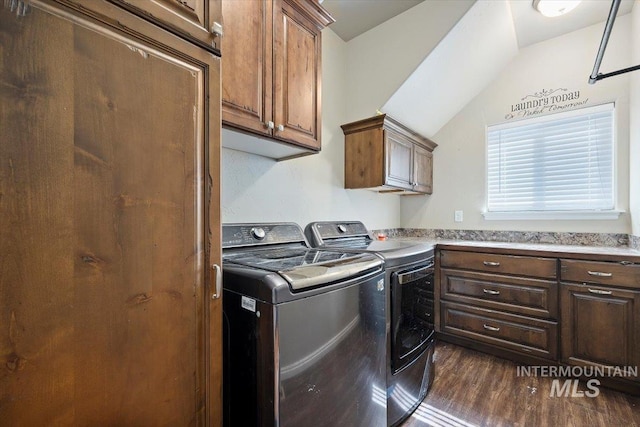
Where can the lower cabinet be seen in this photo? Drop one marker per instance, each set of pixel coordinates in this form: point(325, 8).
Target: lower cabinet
point(482, 299)
point(600, 322)
point(535, 306)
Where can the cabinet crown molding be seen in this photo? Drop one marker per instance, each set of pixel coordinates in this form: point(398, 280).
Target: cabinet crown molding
point(387, 122)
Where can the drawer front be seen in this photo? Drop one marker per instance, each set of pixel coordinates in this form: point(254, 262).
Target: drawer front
point(606, 273)
point(519, 333)
point(504, 264)
point(530, 297)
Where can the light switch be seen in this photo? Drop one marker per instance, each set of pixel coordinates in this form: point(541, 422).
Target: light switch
point(458, 216)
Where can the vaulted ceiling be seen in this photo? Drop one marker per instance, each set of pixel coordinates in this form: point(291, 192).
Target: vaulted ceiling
point(471, 54)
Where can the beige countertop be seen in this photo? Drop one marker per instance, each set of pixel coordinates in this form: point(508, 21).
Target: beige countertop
point(541, 249)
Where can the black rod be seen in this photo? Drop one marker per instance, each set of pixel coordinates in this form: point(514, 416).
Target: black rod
point(605, 39)
point(615, 73)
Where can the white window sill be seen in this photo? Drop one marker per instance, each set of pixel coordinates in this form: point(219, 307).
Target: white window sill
point(552, 215)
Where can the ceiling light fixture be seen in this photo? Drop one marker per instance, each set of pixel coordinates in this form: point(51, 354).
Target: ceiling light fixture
point(553, 8)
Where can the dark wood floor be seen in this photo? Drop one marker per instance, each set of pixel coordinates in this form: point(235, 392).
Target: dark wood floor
point(475, 389)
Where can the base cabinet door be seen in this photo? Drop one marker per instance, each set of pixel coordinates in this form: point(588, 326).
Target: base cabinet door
point(600, 325)
point(110, 134)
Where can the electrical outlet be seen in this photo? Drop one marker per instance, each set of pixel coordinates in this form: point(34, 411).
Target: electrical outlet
point(457, 216)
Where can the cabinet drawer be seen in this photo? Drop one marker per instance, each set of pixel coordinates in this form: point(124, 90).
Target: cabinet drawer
point(519, 333)
point(531, 297)
point(505, 264)
point(606, 273)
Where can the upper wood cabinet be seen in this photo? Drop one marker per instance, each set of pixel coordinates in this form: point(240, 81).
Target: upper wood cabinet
point(199, 21)
point(109, 221)
point(271, 81)
point(383, 154)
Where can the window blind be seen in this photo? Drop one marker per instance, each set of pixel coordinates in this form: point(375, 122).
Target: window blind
point(560, 162)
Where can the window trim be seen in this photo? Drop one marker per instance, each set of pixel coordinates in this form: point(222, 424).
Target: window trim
point(608, 214)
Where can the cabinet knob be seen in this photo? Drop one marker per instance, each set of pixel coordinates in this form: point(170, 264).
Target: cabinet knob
point(280, 128)
point(269, 124)
point(216, 29)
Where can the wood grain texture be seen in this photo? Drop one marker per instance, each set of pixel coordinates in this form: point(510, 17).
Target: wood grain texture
point(527, 296)
point(272, 67)
point(191, 19)
point(297, 71)
point(37, 335)
point(501, 264)
point(601, 329)
point(423, 169)
point(364, 159)
point(247, 65)
point(475, 389)
point(399, 160)
point(103, 279)
point(518, 333)
point(604, 273)
point(382, 154)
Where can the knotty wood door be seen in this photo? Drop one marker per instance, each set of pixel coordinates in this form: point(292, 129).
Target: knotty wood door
point(422, 169)
point(399, 158)
point(297, 53)
point(109, 219)
point(247, 82)
point(600, 325)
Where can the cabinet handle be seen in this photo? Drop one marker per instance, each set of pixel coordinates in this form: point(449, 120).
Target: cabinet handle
point(280, 128)
point(217, 271)
point(599, 291)
point(491, 328)
point(491, 264)
point(216, 29)
point(599, 274)
point(491, 292)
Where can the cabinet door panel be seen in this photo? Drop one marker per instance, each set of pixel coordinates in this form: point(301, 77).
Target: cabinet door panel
point(297, 77)
point(600, 325)
point(103, 283)
point(399, 160)
point(246, 65)
point(423, 169)
point(192, 18)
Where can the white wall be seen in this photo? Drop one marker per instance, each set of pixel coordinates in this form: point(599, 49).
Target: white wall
point(380, 60)
point(460, 159)
point(311, 188)
point(634, 140)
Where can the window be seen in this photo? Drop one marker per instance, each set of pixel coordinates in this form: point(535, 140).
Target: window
point(558, 163)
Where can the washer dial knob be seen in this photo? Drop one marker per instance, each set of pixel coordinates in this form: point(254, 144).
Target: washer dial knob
point(258, 233)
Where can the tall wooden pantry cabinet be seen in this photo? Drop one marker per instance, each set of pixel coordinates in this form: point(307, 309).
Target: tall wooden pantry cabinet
point(109, 219)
